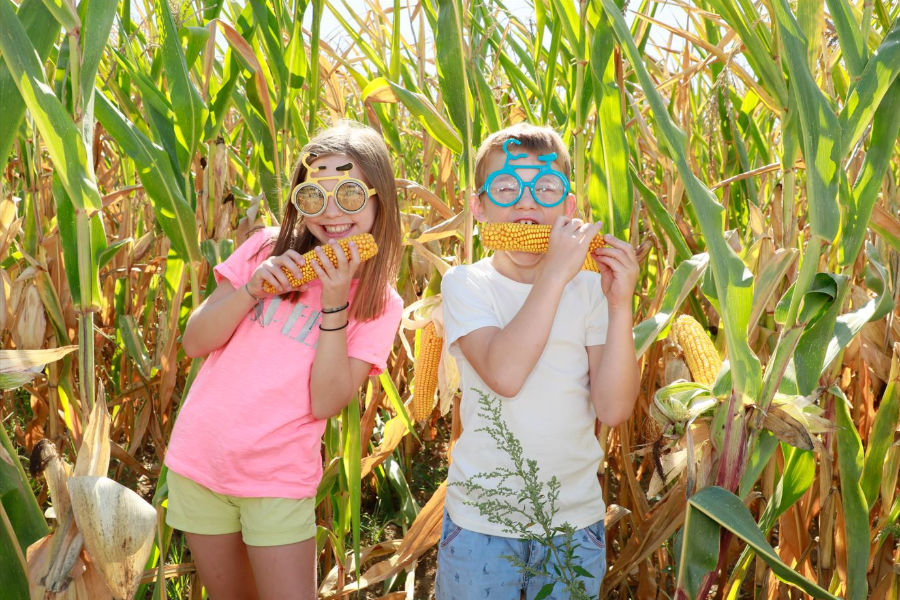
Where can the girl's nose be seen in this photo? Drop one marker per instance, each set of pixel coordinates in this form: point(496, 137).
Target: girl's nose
point(331, 207)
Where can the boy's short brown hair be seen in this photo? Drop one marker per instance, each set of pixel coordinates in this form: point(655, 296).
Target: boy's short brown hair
point(541, 140)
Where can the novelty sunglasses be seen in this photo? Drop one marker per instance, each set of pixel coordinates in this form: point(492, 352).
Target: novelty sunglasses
point(504, 187)
point(310, 198)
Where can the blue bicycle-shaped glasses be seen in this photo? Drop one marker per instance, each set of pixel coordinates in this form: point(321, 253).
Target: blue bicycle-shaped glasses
point(504, 187)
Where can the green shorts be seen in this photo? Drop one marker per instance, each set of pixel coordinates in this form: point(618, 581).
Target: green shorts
point(194, 508)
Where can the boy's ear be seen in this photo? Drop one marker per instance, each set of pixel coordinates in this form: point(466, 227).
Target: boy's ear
point(476, 207)
point(571, 205)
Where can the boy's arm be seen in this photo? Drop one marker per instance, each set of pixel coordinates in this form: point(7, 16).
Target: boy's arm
point(505, 357)
point(614, 374)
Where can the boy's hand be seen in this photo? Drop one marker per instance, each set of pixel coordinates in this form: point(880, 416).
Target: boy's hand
point(618, 271)
point(569, 242)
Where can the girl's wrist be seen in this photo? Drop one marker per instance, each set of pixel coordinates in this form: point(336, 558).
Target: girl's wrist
point(246, 288)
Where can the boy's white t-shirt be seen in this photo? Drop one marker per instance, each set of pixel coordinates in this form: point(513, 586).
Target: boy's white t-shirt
point(552, 416)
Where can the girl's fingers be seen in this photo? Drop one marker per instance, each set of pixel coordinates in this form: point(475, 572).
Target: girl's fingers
point(317, 267)
point(288, 263)
point(342, 261)
point(326, 265)
point(354, 257)
point(275, 278)
point(295, 257)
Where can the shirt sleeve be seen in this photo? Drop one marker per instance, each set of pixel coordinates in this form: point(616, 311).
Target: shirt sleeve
point(239, 267)
point(467, 307)
point(371, 341)
point(597, 315)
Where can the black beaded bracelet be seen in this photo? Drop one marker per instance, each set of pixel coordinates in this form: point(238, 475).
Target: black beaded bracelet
point(331, 311)
point(335, 328)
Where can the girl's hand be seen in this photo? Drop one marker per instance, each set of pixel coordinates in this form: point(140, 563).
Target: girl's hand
point(336, 280)
point(569, 242)
point(270, 271)
point(618, 271)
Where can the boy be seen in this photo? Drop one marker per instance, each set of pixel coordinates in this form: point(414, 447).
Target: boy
point(556, 345)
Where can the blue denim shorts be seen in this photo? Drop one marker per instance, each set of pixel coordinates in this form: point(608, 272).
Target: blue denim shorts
point(471, 565)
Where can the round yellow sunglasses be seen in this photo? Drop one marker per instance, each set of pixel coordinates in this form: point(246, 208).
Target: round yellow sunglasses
point(310, 198)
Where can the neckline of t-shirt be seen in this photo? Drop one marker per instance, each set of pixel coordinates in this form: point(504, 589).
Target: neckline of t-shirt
point(503, 278)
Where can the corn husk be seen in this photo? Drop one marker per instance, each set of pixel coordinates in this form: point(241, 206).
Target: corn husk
point(118, 528)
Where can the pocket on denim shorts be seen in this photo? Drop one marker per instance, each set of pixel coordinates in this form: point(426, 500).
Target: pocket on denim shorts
point(449, 530)
point(596, 534)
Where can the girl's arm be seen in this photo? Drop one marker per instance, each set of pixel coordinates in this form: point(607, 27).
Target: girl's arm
point(212, 324)
point(335, 377)
point(614, 374)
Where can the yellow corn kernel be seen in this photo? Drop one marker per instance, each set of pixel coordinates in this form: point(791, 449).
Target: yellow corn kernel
point(699, 352)
point(365, 244)
point(426, 377)
point(523, 237)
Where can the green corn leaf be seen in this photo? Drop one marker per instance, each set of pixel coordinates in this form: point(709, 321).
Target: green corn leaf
point(853, 46)
point(882, 435)
point(868, 94)
point(21, 522)
point(733, 281)
point(382, 90)
point(661, 216)
point(758, 52)
point(819, 126)
point(813, 344)
point(697, 552)
point(98, 18)
point(189, 109)
point(856, 514)
point(34, 18)
point(61, 138)
point(453, 77)
point(726, 510)
point(609, 188)
point(197, 39)
point(859, 203)
point(352, 459)
point(64, 13)
point(849, 325)
point(155, 172)
point(685, 277)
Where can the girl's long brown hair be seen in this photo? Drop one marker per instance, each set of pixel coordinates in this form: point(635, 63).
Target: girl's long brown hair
point(366, 148)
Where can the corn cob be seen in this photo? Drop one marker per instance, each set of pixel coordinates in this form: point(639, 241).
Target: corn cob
point(365, 243)
point(699, 352)
point(523, 237)
point(426, 377)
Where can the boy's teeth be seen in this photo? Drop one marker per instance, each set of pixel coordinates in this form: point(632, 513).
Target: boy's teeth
point(337, 228)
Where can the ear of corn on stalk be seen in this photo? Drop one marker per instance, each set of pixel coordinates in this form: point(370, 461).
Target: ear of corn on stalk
point(365, 244)
point(426, 377)
point(523, 237)
point(699, 352)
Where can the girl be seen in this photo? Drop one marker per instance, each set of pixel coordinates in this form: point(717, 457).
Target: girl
point(245, 456)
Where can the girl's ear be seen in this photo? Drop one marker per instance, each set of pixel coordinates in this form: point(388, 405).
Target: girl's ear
point(476, 207)
point(570, 204)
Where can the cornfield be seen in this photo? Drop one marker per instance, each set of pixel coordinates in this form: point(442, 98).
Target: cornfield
point(747, 150)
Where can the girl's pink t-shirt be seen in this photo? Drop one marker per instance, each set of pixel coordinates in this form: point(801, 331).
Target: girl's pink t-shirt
point(246, 427)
